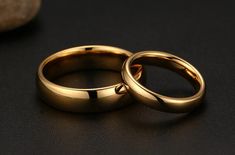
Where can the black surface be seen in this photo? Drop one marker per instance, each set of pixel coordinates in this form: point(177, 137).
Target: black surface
point(200, 32)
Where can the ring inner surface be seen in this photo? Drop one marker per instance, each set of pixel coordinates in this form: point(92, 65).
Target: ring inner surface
point(173, 64)
point(84, 62)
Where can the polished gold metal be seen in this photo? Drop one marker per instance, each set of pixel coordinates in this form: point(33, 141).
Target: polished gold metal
point(84, 99)
point(155, 100)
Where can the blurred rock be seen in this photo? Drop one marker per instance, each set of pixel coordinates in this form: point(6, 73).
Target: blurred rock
point(15, 13)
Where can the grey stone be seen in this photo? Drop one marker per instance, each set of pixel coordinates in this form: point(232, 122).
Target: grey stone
point(15, 13)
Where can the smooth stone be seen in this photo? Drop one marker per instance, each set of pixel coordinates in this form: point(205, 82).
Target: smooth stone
point(15, 13)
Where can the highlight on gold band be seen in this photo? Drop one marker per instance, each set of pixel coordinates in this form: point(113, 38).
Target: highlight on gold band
point(158, 101)
point(84, 99)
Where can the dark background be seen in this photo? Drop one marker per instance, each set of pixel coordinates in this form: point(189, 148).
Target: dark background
point(200, 32)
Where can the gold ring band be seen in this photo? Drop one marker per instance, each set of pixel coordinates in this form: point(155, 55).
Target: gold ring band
point(88, 99)
point(158, 101)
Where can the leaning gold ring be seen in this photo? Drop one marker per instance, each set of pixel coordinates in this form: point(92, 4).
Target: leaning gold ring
point(158, 101)
point(84, 99)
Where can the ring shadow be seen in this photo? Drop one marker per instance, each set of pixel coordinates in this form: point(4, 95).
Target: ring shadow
point(163, 123)
point(162, 120)
point(134, 115)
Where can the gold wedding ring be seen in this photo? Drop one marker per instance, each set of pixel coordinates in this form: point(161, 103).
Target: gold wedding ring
point(98, 57)
point(158, 101)
point(84, 99)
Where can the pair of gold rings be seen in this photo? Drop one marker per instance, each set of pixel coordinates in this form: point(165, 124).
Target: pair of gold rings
point(96, 57)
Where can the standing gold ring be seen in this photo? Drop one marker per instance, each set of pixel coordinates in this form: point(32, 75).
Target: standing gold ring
point(84, 99)
point(158, 101)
